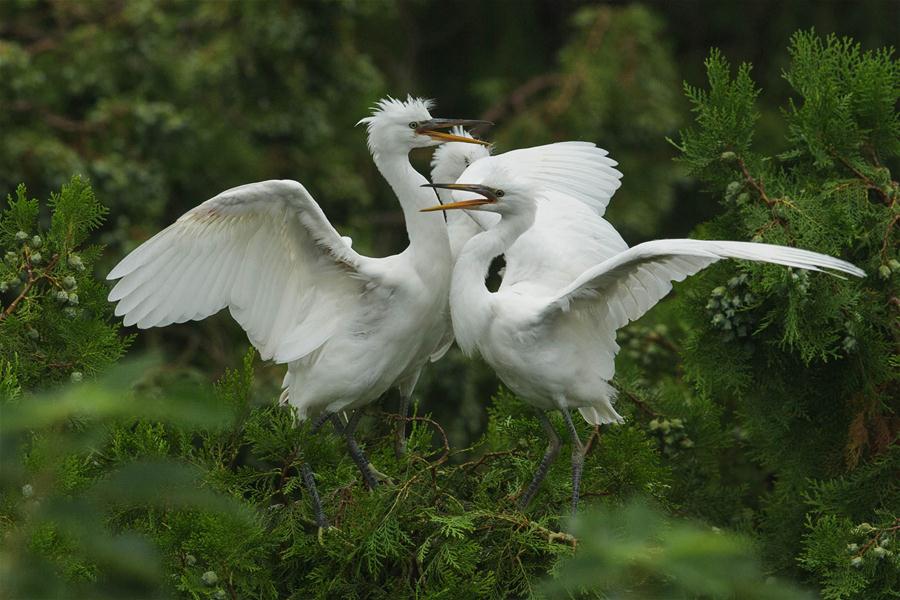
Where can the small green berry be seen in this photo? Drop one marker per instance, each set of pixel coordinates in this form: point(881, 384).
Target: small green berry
point(220, 594)
point(743, 198)
point(76, 376)
point(36, 241)
point(69, 282)
point(190, 559)
point(73, 298)
point(210, 578)
point(71, 312)
point(654, 424)
point(852, 548)
point(75, 262)
point(33, 333)
point(856, 561)
point(728, 156)
point(687, 443)
point(62, 296)
point(4, 286)
point(21, 236)
point(894, 264)
point(11, 257)
point(733, 188)
point(27, 490)
point(879, 551)
point(884, 271)
point(36, 258)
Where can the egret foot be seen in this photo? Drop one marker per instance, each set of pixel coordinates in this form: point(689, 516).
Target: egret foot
point(549, 456)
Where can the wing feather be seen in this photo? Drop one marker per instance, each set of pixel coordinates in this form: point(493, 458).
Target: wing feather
point(265, 251)
point(578, 169)
point(631, 282)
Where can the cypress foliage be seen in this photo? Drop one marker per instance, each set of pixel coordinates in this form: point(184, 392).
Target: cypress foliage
point(771, 449)
point(807, 364)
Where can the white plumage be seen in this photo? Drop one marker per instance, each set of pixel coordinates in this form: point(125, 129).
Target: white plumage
point(550, 334)
point(348, 326)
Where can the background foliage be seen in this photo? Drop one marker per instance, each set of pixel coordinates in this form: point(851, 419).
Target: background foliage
point(761, 404)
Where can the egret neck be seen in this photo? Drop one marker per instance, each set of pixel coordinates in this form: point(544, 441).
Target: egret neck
point(429, 246)
point(469, 295)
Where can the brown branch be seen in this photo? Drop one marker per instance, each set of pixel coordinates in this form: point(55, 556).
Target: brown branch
point(518, 98)
point(474, 464)
point(895, 526)
point(573, 81)
point(55, 120)
point(869, 183)
point(445, 452)
point(756, 184)
point(645, 408)
point(595, 436)
point(28, 285)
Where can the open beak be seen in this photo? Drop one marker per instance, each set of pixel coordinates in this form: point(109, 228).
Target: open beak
point(432, 128)
point(483, 190)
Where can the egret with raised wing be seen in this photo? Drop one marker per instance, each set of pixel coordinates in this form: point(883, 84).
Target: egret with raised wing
point(552, 342)
point(349, 327)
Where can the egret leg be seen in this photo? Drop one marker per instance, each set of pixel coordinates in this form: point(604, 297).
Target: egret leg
point(310, 483)
point(356, 453)
point(400, 431)
point(319, 421)
point(577, 460)
point(549, 456)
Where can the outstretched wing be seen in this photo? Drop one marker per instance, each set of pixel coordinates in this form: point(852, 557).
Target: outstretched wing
point(264, 250)
point(624, 287)
point(590, 310)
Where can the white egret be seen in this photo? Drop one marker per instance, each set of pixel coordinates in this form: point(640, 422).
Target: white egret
point(349, 327)
point(554, 344)
point(577, 175)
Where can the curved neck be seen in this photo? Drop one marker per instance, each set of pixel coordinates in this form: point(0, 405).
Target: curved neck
point(428, 243)
point(470, 299)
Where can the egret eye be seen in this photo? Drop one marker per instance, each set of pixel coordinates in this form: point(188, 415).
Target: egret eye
point(467, 161)
point(413, 125)
point(499, 193)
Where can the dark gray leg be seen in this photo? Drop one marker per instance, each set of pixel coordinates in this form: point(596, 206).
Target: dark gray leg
point(400, 430)
point(356, 453)
point(319, 421)
point(549, 456)
point(577, 460)
point(310, 483)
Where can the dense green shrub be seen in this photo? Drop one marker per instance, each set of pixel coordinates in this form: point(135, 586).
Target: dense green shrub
point(774, 439)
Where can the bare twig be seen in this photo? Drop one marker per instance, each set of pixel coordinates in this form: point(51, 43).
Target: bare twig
point(756, 184)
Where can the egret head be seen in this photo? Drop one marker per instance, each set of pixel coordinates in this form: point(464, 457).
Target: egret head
point(498, 192)
point(400, 126)
point(451, 159)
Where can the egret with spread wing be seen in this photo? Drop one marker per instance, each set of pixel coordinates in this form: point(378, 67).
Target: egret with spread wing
point(349, 327)
point(554, 344)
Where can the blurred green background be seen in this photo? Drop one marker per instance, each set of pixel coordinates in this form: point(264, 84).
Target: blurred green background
point(163, 104)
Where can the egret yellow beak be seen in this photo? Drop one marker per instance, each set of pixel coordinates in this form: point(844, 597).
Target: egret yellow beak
point(432, 126)
point(483, 190)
